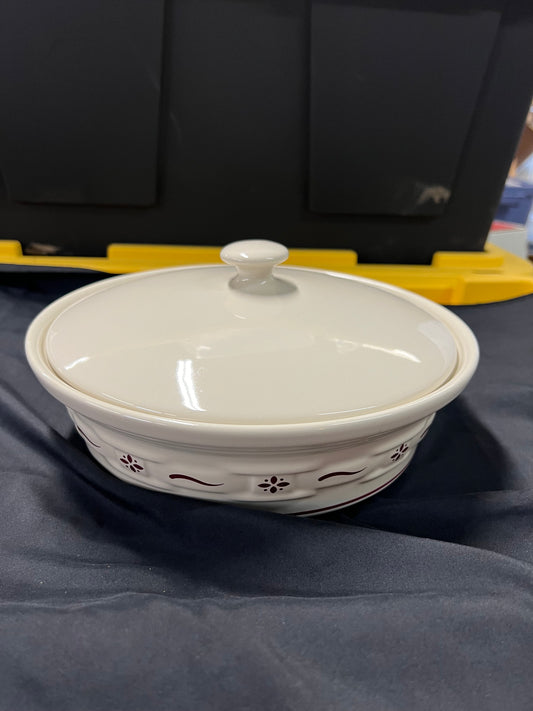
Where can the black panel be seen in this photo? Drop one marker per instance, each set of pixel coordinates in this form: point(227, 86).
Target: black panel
point(80, 86)
point(233, 157)
point(393, 90)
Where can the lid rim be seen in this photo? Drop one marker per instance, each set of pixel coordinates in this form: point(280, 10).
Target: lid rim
point(198, 434)
point(194, 431)
point(362, 399)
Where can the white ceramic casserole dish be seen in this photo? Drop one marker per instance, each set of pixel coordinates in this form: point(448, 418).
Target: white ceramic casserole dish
point(289, 389)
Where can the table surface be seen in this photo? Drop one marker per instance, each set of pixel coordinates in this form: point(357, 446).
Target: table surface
point(113, 597)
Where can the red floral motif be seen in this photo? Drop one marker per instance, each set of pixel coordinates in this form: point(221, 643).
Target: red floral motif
point(399, 452)
point(273, 484)
point(131, 463)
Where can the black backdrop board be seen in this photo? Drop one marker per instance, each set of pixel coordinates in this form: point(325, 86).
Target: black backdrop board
point(80, 94)
point(386, 138)
point(116, 598)
point(319, 123)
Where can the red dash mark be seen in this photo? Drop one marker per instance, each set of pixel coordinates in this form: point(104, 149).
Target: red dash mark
point(191, 478)
point(328, 476)
point(350, 501)
point(82, 433)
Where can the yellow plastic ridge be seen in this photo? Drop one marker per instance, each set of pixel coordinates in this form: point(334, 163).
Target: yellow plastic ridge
point(453, 278)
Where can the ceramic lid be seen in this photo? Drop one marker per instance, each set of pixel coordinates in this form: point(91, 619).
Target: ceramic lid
point(250, 342)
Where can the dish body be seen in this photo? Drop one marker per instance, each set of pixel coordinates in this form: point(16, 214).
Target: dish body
point(303, 466)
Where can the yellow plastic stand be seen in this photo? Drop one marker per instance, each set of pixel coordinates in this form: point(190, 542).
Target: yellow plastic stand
point(453, 278)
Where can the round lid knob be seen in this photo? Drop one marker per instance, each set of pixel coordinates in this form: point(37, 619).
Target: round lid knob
point(254, 260)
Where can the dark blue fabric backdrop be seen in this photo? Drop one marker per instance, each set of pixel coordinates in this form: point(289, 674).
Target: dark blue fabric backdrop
point(113, 597)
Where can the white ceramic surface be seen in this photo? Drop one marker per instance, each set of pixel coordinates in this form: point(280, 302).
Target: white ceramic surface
point(204, 345)
point(294, 390)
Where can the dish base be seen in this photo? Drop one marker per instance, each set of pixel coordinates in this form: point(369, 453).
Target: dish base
point(307, 482)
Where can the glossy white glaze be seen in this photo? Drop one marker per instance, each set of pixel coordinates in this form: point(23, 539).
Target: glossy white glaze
point(254, 260)
point(204, 345)
point(296, 457)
